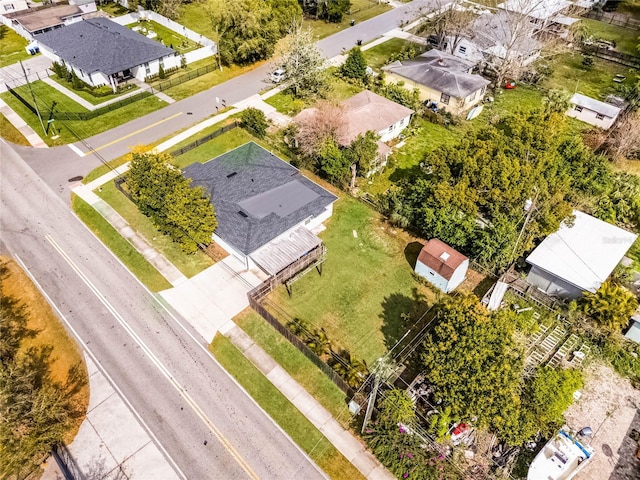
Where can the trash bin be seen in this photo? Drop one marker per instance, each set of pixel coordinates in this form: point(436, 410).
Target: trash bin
point(359, 42)
point(352, 22)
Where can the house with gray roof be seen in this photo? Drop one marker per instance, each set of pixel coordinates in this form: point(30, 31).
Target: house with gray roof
point(441, 78)
point(101, 52)
point(266, 209)
point(592, 111)
point(493, 38)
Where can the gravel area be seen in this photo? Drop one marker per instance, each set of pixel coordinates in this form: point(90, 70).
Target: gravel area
point(610, 406)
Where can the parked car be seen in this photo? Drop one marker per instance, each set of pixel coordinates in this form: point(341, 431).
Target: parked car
point(278, 75)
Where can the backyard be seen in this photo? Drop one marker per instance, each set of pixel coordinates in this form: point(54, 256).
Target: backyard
point(163, 35)
point(625, 39)
point(12, 47)
point(46, 95)
point(367, 295)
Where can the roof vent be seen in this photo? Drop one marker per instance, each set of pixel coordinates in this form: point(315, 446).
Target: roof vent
point(242, 214)
point(232, 174)
point(445, 256)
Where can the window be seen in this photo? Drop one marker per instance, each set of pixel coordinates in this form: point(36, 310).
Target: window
point(444, 98)
point(8, 7)
point(147, 69)
point(599, 116)
point(578, 108)
point(462, 50)
point(391, 128)
point(161, 62)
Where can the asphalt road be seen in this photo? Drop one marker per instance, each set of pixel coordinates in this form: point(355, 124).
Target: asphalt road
point(57, 165)
point(175, 386)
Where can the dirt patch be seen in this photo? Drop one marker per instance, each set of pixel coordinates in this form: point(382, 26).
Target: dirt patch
point(609, 405)
point(50, 332)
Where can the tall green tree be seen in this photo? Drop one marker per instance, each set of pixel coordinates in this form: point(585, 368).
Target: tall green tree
point(333, 163)
point(355, 66)
point(474, 363)
point(333, 10)
point(162, 193)
point(254, 121)
point(611, 305)
point(362, 154)
point(304, 63)
point(247, 30)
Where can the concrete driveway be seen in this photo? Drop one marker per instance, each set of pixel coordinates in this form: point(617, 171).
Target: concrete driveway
point(13, 75)
point(213, 297)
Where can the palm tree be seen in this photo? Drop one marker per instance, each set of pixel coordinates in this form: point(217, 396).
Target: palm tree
point(611, 306)
point(318, 342)
point(352, 370)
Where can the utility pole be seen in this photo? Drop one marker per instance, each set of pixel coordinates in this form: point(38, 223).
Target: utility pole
point(33, 96)
point(383, 369)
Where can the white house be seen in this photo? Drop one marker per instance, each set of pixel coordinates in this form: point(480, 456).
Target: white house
point(441, 265)
point(86, 6)
point(101, 52)
point(541, 13)
point(442, 78)
point(578, 257)
point(367, 111)
point(593, 111)
point(31, 22)
point(266, 209)
point(7, 6)
point(493, 37)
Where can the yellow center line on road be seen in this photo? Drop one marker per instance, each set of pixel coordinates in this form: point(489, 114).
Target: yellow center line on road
point(136, 132)
point(165, 372)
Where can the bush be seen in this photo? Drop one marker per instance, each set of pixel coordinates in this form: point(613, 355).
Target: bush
point(254, 122)
point(161, 73)
point(355, 66)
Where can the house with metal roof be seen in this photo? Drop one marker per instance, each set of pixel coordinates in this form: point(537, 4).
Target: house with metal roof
point(441, 78)
point(441, 265)
point(101, 52)
point(266, 209)
point(542, 14)
point(579, 257)
point(592, 111)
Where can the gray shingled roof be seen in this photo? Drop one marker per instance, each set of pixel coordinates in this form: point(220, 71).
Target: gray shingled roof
point(257, 196)
point(100, 45)
point(440, 71)
point(594, 105)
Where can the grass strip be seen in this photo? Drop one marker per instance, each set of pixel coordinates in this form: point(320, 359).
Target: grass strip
point(301, 430)
point(120, 247)
point(11, 133)
point(296, 364)
point(188, 264)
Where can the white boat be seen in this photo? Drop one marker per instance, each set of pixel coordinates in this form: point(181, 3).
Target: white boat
point(560, 459)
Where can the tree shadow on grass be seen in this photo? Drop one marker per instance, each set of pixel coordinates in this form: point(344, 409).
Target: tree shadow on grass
point(399, 313)
point(411, 252)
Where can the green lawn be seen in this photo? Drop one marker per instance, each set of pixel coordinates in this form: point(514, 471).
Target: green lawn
point(296, 364)
point(120, 247)
point(114, 9)
point(189, 265)
point(46, 95)
point(366, 283)
point(339, 90)
point(219, 145)
point(378, 56)
point(11, 47)
point(596, 81)
point(165, 36)
point(87, 95)
point(301, 430)
point(626, 39)
point(206, 81)
point(361, 10)
point(193, 15)
point(11, 133)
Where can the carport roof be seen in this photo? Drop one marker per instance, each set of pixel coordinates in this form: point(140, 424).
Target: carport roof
point(257, 196)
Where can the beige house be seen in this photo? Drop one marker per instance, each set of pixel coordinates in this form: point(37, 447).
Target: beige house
point(367, 111)
point(441, 78)
point(592, 111)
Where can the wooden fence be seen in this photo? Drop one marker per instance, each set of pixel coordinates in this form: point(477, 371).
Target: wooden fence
point(613, 19)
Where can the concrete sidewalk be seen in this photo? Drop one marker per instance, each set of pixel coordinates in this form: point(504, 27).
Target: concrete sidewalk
point(111, 443)
point(344, 441)
point(14, 119)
